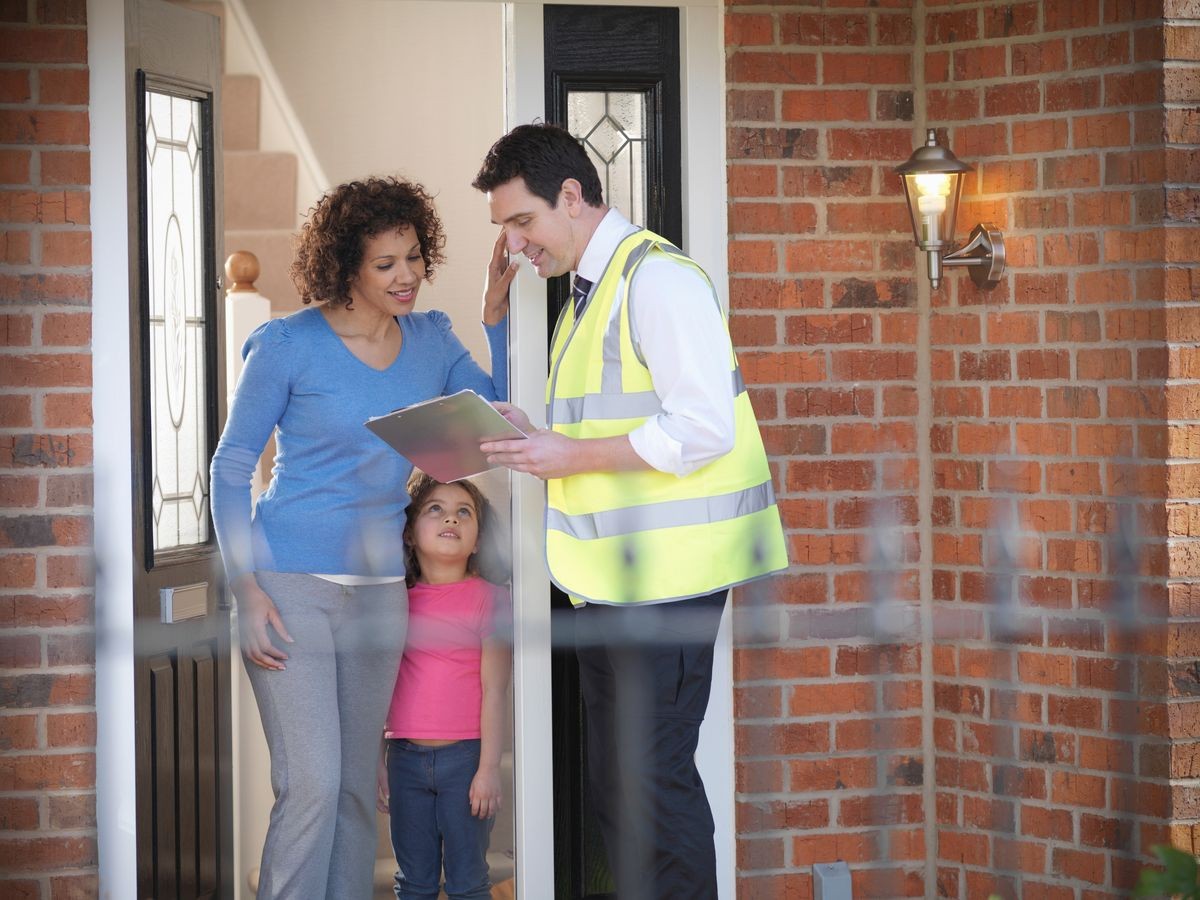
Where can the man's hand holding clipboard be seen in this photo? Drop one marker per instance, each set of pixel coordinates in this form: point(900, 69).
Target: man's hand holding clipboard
point(547, 454)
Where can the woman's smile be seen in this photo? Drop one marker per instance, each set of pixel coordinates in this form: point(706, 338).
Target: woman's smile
point(390, 274)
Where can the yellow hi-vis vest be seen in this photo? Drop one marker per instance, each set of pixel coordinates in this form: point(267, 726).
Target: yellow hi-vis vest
point(647, 536)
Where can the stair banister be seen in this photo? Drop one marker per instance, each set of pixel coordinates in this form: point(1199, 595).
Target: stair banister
point(245, 310)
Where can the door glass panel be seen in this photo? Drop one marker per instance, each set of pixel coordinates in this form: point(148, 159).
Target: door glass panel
point(612, 126)
point(174, 190)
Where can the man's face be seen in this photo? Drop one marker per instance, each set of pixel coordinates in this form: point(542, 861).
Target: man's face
point(545, 234)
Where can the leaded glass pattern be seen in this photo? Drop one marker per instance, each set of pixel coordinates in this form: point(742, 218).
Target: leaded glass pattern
point(612, 127)
point(174, 190)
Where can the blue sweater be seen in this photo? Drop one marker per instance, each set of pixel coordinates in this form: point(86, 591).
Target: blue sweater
point(336, 502)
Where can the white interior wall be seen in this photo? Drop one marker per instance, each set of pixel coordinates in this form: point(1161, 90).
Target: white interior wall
point(371, 87)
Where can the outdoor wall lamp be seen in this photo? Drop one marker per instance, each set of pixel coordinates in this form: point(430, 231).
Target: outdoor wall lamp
point(933, 179)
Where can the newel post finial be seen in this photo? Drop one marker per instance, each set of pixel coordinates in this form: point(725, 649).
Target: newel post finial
point(241, 271)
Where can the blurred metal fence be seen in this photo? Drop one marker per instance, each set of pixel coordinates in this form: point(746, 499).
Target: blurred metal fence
point(893, 622)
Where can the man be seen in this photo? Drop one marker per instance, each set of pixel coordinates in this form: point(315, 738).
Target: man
point(659, 496)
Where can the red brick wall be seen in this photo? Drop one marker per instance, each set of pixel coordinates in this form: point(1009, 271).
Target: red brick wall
point(1053, 401)
point(824, 310)
point(47, 706)
point(1048, 411)
point(1179, 286)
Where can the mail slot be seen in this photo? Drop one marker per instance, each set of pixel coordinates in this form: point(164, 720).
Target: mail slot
point(182, 603)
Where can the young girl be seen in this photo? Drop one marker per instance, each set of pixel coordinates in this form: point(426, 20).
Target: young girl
point(440, 774)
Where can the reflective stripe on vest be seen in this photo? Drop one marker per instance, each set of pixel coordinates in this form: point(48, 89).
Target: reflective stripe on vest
point(647, 536)
point(640, 405)
point(672, 514)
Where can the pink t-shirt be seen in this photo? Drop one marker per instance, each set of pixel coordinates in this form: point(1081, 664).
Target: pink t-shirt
point(438, 693)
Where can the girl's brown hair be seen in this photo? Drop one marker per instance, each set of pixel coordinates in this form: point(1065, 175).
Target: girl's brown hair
point(489, 561)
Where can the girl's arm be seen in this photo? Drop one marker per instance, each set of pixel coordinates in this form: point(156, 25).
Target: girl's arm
point(494, 670)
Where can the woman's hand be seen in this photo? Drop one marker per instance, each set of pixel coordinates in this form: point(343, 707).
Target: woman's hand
point(485, 792)
point(500, 274)
point(256, 610)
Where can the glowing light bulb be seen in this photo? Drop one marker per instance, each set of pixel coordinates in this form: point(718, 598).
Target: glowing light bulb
point(932, 190)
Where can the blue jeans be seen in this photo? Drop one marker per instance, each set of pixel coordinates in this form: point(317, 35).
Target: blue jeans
point(432, 825)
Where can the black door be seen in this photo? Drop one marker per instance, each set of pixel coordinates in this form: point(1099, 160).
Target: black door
point(612, 79)
point(181, 669)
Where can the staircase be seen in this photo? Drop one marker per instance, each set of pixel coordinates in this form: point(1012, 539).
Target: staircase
point(259, 186)
point(260, 193)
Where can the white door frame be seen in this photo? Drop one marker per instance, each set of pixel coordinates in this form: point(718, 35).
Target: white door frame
point(705, 234)
point(116, 772)
point(704, 224)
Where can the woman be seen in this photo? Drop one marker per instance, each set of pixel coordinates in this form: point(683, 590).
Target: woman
point(318, 578)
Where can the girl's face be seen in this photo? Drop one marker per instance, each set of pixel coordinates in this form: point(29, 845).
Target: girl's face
point(390, 274)
point(446, 528)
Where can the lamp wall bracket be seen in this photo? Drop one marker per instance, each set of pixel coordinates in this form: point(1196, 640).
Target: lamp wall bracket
point(983, 253)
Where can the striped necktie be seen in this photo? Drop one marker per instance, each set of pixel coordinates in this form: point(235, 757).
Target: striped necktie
point(579, 292)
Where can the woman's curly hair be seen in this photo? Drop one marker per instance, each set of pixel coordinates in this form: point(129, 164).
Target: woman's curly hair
point(332, 241)
point(489, 561)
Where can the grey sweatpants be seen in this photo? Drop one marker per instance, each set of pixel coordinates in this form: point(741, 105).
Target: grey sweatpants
point(324, 717)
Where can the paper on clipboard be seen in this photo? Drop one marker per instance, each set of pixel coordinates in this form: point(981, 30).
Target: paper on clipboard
point(441, 437)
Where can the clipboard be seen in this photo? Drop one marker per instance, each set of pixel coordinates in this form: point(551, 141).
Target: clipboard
point(441, 436)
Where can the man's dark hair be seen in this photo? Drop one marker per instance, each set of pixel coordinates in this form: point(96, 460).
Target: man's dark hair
point(545, 156)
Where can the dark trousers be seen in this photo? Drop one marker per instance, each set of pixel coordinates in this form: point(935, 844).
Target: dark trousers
point(646, 673)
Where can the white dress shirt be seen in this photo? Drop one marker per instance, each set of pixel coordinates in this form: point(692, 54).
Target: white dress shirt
point(683, 337)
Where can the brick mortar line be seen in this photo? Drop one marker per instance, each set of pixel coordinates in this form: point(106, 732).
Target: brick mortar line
point(40, 834)
point(33, 471)
point(33, 795)
point(46, 148)
point(10, 512)
point(52, 709)
point(63, 751)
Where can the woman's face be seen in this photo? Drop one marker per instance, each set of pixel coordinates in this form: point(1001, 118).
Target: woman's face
point(391, 271)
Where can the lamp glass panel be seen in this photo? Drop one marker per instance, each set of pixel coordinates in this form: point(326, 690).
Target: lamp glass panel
point(933, 206)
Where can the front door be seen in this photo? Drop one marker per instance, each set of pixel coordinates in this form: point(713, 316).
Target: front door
point(612, 80)
point(181, 625)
